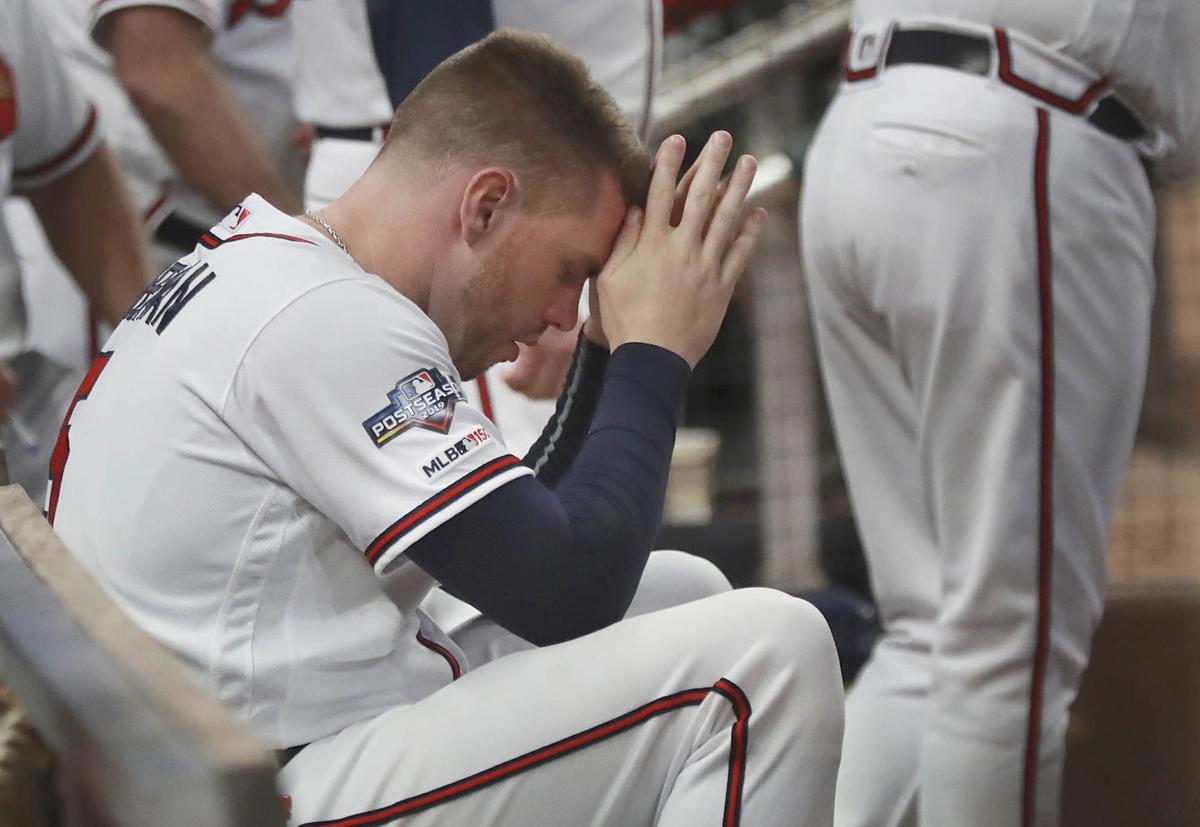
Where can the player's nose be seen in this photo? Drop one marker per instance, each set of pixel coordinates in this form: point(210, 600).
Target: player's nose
point(563, 312)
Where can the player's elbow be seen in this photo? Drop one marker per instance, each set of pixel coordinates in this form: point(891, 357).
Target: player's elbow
point(581, 613)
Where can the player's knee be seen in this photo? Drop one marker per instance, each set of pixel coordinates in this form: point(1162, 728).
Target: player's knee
point(793, 628)
point(685, 576)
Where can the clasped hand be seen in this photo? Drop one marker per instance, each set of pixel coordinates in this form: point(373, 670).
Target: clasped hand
point(674, 265)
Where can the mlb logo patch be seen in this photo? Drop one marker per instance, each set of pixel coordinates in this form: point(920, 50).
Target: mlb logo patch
point(423, 399)
point(235, 218)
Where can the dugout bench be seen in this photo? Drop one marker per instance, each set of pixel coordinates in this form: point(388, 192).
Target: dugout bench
point(131, 740)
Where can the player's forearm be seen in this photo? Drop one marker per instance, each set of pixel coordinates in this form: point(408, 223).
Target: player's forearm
point(91, 224)
point(194, 117)
point(554, 565)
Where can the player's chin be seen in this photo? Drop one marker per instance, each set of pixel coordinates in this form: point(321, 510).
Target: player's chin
point(472, 369)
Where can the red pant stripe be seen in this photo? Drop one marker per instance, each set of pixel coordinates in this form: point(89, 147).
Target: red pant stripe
point(739, 739)
point(455, 668)
point(1046, 468)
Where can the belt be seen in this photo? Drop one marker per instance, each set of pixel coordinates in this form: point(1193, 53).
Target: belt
point(374, 134)
point(178, 232)
point(973, 54)
point(284, 756)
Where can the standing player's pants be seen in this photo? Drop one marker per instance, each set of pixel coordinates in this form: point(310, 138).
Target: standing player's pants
point(722, 711)
point(980, 270)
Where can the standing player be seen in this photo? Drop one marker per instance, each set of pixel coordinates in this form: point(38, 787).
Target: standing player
point(978, 234)
point(210, 83)
point(195, 98)
point(341, 92)
point(50, 150)
point(292, 489)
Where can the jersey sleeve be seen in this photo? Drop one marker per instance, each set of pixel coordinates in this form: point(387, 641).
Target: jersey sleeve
point(349, 396)
point(212, 13)
point(55, 125)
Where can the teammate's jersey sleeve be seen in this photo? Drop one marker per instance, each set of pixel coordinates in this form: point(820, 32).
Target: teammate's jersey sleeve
point(55, 126)
point(349, 396)
point(214, 14)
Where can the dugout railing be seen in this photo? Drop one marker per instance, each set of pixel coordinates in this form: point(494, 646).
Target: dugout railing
point(133, 741)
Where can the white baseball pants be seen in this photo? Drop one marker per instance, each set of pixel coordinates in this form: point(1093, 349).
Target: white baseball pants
point(723, 711)
point(981, 279)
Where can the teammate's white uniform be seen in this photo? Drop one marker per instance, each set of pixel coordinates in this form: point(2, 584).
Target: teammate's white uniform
point(46, 129)
point(340, 86)
point(247, 463)
point(252, 47)
point(979, 252)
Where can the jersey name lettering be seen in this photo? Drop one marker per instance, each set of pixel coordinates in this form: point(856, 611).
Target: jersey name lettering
point(169, 293)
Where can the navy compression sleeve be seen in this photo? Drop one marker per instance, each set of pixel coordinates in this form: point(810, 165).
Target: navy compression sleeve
point(563, 436)
point(551, 565)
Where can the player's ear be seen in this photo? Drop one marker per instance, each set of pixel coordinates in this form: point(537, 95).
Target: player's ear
point(490, 197)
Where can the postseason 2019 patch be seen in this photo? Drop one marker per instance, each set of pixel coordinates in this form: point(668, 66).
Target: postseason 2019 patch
point(423, 399)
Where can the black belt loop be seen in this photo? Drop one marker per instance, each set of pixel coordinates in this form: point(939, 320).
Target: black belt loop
point(975, 55)
point(964, 52)
point(1113, 117)
point(284, 756)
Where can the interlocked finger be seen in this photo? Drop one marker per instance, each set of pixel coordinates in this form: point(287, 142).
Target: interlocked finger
point(702, 191)
point(743, 246)
point(661, 198)
point(729, 209)
point(681, 192)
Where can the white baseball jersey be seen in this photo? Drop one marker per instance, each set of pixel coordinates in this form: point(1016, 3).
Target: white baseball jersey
point(305, 426)
point(265, 435)
point(46, 129)
point(1145, 48)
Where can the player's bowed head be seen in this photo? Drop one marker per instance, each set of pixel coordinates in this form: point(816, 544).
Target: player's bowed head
point(509, 178)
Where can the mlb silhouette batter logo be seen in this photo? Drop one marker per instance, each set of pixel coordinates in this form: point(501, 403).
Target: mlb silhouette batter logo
point(423, 399)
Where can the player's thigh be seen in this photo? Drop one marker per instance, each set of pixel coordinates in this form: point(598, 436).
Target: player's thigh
point(1102, 215)
point(1029, 424)
point(871, 401)
point(603, 729)
point(886, 712)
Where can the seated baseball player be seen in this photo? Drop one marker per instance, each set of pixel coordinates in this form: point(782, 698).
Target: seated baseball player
point(271, 464)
